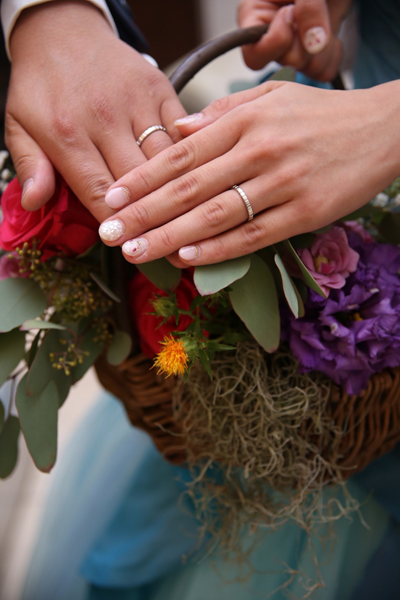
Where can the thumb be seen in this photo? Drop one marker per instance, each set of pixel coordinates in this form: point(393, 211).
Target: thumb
point(312, 18)
point(34, 170)
point(222, 106)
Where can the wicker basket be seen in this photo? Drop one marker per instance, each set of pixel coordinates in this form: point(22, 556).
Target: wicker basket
point(370, 422)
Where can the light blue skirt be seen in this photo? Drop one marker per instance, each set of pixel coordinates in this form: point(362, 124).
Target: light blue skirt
point(116, 529)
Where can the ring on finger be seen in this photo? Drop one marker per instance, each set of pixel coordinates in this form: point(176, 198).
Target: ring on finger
point(148, 132)
point(242, 194)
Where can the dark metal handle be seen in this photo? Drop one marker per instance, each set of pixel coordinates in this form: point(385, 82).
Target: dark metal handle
point(215, 48)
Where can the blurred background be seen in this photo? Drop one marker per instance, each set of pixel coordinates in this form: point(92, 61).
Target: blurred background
point(172, 28)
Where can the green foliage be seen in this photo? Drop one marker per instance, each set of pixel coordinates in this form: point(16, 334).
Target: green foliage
point(162, 274)
point(91, 348)
point(12, 351)
point(9, 446)
point(38, 418)
point(42, 370)
point(255, 300)
point(104, 287)
point(308, 278)
point(39, 324)
point(2, 415)
point(20, 299)
point(284, 74)
point(119, 348)
point(291, 292)
point(210, 279)
point(389, 228)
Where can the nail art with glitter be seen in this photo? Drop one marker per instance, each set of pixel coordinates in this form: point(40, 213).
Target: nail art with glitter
point(135, 248)
point(111, 231)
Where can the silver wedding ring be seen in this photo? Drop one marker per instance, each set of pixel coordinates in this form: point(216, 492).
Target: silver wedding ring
point(148, 132)
point(245, 200)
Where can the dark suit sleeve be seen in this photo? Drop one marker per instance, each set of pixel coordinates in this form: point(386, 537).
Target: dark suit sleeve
point(127, 29)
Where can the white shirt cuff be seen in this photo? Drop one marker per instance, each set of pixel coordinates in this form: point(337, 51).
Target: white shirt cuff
point(11, 9)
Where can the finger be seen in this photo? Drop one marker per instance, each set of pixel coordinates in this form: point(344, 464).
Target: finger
point(177, 198)
point(34, 170)
point(270, 227)
point(178, 160)
point(172, 110)
point(155, 142)
point(312, 18)
point(325, 66)
point(219, 214)
point(222, 106)
point(274, 43)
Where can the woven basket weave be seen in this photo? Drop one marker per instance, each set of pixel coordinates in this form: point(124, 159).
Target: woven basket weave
point(370, 422)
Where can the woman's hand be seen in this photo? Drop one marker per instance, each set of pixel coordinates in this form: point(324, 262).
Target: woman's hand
point(302, 34)
point(304, 156)
point(78, 98)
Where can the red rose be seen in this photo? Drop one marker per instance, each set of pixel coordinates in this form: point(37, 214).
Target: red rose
point(62, 226)
point(142, 292)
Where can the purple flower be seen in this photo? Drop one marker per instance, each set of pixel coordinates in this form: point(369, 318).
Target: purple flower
point(356, 331)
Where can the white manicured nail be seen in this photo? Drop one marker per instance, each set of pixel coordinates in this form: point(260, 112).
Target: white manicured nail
point(117, 198)
point(315, 40)
point(190, 119)
point(111, 231)
point(189, 252)
point(135, 247)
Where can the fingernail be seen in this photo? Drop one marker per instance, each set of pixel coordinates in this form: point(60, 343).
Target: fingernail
point(289, 14)
point(25, 189)
point(111, 231)
point(117, 198)
point(189, 252)
point(190, 119)
point(315, 40)
point(135, 247)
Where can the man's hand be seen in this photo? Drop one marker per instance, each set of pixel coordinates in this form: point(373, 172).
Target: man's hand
point(78, 99)
point(302, 34)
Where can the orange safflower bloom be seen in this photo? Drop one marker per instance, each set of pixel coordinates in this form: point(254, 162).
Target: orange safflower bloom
point(173, 358)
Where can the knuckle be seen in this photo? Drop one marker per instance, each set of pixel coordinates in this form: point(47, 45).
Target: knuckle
point(218, 249)
point(139, 215)
point(253, 237)
point(186, 189)
point(66, 128)
point(95, 185)
point(214, 214)
point(220, 105)
point(103, 110)
point(166, 239)
point(182, 156)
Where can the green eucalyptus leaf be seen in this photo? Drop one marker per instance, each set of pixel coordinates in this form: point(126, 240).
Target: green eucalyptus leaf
point(284, 74)
point(31, 352)
point(2, 416)
point(12, 351)
point(162, 274)
point(39, 324)
point(103, 286)
point(210, 279)
point(38, 417)
point(93, 348)
point(42, 370)
point(255, 301)
point(289, 289)
point(119, 348)
point(304, 240)
point(389, 228)
point(308, 278)
point(20, 299)
point(9, 446)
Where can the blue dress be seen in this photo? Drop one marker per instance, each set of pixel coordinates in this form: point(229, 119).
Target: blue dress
point(114, 527)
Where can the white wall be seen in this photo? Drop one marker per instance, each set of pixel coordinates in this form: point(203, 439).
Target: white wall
point(217, 16)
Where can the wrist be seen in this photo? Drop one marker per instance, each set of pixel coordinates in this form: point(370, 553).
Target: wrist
point(56, 23)
point(386, 99)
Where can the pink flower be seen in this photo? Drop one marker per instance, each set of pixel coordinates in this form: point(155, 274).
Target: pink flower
point(330, 259)
point(9, 266)
point(356, 227)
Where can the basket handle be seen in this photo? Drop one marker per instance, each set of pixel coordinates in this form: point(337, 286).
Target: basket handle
point(217, 47)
